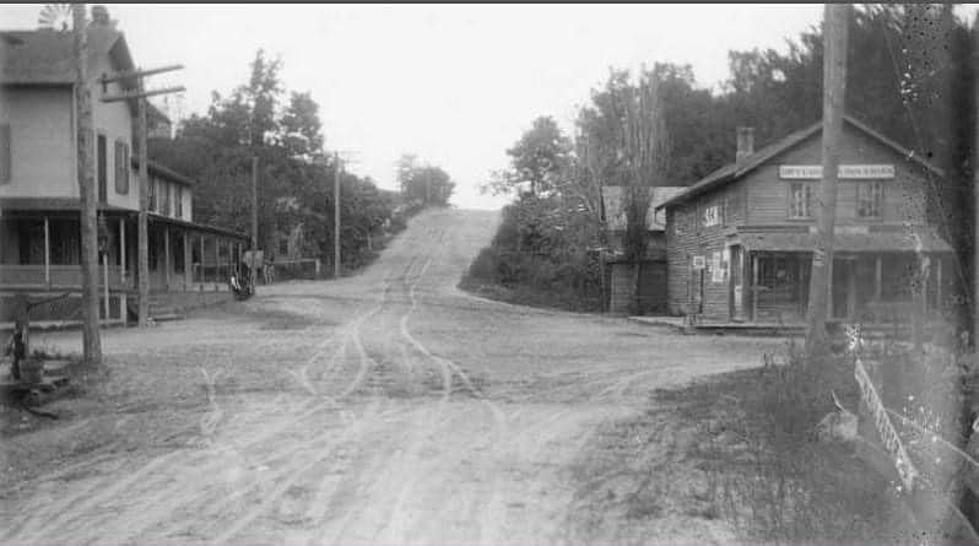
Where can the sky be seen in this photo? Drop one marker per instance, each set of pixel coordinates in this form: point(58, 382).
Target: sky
point(455, 84)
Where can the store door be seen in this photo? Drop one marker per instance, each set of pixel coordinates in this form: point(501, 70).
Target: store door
point(737, 283)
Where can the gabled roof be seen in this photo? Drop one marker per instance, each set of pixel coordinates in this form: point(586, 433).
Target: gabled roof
point(46, 57)
point(734, 171)
point(613, 201)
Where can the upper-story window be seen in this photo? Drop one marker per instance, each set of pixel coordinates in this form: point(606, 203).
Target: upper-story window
point(870, 199)
point(153, 191)
point(178, 202)
point(5, 170)
point(122, 167)
point(802, 200)
point(165, 191)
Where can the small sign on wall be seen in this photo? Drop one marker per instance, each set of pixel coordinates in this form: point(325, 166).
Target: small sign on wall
point(716, 268)
point(699, 263)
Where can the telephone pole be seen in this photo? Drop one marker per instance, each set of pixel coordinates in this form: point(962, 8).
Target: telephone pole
point(336, 215)
point(254, 202)
point(835, 31)
point(142, 228)
point(91, 339)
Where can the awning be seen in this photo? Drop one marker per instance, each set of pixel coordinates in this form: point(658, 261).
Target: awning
point(918, 238)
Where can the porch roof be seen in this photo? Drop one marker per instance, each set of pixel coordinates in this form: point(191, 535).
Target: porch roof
point(49, 204)
point(153, 217)
point(849, 242)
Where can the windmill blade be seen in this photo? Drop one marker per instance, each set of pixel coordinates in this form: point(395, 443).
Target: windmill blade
point(55, 17)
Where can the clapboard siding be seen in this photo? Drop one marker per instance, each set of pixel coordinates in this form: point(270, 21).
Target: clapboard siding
point(904, 195)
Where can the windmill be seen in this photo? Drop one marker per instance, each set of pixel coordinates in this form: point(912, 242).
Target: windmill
point(55, 17)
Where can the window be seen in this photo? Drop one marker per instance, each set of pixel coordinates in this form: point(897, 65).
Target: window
point(801, 200)
point(179, 202)
point(153, 191)
point(870, 199)
point(165, 190)
point(5, 170)
point(122, 167)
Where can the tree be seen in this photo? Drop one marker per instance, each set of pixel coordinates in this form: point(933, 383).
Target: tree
point(295, 187)
point(424, 183)
point(540, 158)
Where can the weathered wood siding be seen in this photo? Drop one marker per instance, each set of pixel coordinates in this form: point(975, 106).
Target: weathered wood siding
point(652, 287)
point(688, 236)
point(904, 195)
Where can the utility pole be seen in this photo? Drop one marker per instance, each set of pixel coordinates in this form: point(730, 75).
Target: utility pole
point(142, 227)
point(254, 202)
point(835, 30)
point(336, 215)
point(91, 339)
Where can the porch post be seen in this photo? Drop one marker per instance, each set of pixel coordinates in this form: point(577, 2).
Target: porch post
point(166, 257)
point(878, 279)
point(122, 249)
point(188, 266)
point(47, 252)
point(217, 258)
point(938, 283)
point(754, 286)
point(202, 259)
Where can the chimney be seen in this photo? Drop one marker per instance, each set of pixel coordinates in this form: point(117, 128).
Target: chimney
point(746, 142)
point(100, 16)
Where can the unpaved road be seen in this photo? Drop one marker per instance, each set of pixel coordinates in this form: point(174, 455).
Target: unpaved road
point(387, 408)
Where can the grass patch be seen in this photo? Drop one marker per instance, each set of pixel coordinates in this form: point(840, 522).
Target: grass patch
point(742, 448)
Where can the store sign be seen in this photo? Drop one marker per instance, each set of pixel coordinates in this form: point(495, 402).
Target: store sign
point(815, 172)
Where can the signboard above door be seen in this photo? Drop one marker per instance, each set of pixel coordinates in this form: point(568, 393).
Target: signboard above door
point(815, 172)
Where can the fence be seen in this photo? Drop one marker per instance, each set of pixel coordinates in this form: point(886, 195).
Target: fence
point(309, 268)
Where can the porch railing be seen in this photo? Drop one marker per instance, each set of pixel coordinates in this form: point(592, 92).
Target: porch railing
point(58, 276)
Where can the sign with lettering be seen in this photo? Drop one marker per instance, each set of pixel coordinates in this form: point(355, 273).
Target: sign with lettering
point(815, 172)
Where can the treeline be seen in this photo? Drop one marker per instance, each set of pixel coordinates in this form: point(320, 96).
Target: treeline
point(910, 76)
point(281, 128)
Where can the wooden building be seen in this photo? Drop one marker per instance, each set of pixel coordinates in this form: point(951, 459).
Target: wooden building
point(40, 241)
point(740, 241)
point(622, 297)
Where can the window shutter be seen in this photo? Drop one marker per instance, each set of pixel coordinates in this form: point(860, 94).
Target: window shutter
point(5, 156)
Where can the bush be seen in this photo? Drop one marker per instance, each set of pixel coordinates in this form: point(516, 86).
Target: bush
point(539, 256)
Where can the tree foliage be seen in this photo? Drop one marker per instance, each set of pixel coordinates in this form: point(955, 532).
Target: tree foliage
point(282, 129)
point(910, 76)
point(424, 184)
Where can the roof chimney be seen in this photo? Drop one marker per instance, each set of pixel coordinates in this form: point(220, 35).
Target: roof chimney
point(746, 142)
point(100, 16)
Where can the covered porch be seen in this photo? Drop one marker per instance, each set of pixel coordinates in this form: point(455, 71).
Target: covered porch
point(875, 277)
point(40, 253)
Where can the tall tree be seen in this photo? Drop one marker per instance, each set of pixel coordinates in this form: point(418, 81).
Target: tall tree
point(540, 158)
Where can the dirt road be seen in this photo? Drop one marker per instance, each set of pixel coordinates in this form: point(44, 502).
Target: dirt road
point(388, 408)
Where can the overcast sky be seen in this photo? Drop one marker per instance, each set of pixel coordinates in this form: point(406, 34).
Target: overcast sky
point(455, 84)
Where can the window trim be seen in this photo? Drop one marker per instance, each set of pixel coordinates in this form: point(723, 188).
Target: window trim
point(810, 204)
point(880, 199)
